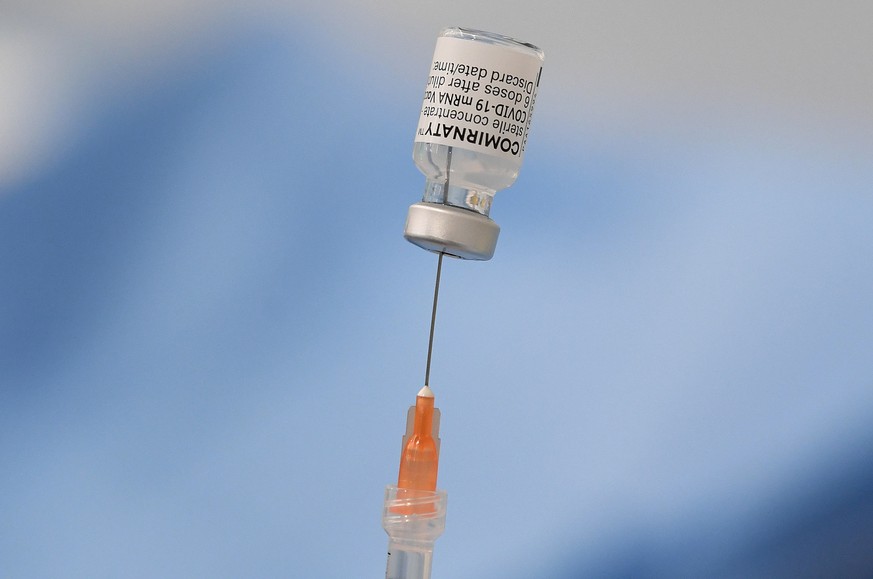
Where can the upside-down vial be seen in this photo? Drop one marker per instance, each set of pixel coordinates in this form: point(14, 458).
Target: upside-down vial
point(471, 137)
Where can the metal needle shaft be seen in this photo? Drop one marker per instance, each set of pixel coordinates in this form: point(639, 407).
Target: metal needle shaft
point(436, 293)
point(436, 287)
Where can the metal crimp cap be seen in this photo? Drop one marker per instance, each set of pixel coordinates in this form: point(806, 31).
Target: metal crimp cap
point(444, 228)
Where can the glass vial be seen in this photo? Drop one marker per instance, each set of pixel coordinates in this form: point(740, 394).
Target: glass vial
point(471, 137)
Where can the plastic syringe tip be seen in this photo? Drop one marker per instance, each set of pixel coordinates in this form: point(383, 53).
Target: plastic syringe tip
point(419, 460)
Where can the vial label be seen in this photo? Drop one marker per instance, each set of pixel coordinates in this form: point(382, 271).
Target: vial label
point(480, 97)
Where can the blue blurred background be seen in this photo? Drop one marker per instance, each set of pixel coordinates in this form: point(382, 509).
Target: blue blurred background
point(211, 326)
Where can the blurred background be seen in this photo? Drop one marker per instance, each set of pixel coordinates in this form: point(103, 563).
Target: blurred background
point(211, 326)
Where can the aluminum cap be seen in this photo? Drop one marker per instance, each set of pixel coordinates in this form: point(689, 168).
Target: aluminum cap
point(452, 230)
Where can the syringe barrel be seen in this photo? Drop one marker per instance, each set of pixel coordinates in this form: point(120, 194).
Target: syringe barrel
point(408, 562)
point(413, 519)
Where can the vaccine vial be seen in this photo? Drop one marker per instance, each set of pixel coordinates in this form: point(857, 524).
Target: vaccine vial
point(471, 136)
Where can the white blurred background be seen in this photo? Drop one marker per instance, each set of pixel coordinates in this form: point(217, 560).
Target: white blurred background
point(211, 326)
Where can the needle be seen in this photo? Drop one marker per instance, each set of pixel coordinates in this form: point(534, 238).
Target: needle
point(436, 293)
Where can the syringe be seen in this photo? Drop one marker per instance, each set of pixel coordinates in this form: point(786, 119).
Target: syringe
point(414, 514)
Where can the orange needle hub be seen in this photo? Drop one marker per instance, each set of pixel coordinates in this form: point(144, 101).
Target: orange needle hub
point(419, 459)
